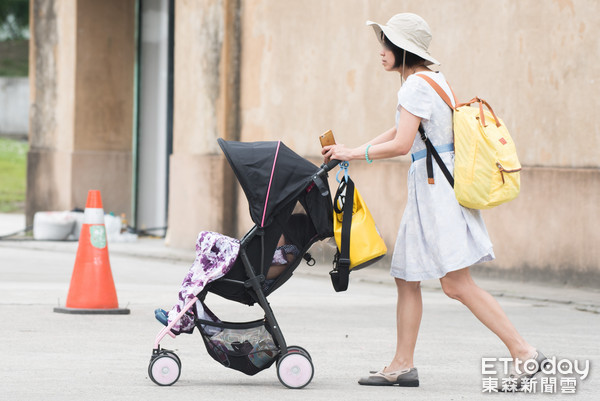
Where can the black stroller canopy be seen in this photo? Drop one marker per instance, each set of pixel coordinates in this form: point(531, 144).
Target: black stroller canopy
point(270, 173)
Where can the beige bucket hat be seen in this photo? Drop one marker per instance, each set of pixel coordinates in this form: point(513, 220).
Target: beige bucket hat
point(409, 32)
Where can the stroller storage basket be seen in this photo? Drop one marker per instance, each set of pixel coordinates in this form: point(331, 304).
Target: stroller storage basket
point(247, 347)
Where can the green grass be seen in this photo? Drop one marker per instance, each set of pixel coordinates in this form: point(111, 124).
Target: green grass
point(13, 173)
point(14, 58)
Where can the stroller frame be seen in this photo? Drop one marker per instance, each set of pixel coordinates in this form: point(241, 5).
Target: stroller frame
point(294, 364)
point(253, 282)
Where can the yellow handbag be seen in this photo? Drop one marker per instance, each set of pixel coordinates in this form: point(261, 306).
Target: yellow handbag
point(358, 240)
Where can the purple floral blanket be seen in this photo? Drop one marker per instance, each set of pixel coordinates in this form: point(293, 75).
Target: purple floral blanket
point(215, 255)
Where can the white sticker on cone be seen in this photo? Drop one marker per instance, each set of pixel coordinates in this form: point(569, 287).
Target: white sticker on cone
point(98, 236)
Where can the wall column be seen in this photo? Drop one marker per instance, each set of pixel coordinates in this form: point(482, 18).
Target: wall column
point(202, 190)
point(81, 79)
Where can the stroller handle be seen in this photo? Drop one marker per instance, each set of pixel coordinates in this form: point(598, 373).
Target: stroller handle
point(329, 166)
point(320, 176)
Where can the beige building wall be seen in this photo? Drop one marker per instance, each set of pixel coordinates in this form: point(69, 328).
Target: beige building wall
point(312, 66)
point(282, 69)
point(201, 189)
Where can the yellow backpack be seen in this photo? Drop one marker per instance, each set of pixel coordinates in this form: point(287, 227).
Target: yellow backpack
point(486, 166)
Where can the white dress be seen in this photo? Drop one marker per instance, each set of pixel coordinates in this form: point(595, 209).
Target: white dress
point(437, 235)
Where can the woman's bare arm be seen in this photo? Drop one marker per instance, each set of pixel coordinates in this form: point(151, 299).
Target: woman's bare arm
point(398, 143)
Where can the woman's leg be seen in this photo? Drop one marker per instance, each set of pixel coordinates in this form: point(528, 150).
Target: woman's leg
point(460, 285)
point(408, 314)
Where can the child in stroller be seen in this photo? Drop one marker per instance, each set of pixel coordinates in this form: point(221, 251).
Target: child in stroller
point(297, 232)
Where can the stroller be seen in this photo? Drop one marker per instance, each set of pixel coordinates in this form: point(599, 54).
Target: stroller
point(276, 182)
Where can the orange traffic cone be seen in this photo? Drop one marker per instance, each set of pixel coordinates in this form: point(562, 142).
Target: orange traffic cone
point(92, 288)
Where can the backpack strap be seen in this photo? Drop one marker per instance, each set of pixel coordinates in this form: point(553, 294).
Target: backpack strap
point(442, 93)
point(430, 148)
point(432, 152)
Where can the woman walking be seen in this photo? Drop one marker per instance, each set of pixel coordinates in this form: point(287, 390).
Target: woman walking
point(437, 238)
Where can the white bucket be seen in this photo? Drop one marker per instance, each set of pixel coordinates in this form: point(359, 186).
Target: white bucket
point(53, 226)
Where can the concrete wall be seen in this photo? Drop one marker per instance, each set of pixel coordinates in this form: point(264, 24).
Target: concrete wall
point(201, 190)
point(81, 117)
point(550, 231)
point(315, 66)
point(14, 106)
point(283, 69)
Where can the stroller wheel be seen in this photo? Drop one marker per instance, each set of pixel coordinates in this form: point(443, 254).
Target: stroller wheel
point(172, 355)
point(165, 369)
point(297, 348)
point(295, 370)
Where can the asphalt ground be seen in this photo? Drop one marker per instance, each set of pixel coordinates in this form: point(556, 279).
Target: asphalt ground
point(54, 356)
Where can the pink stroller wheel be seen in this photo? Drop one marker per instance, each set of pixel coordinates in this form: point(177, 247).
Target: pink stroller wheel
point(164, 370)
point(297, 348)
point(172, 355)
point(295, 370)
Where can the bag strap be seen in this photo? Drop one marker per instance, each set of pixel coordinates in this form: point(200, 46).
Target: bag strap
point(430, 148)
point(431, 151)
point(442, 93)
point(341, 273)
point(481, 115)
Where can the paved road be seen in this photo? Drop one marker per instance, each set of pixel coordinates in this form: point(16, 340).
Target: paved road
point(54, 356)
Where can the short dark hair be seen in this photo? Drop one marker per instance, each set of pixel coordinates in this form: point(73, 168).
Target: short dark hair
point(410, 59)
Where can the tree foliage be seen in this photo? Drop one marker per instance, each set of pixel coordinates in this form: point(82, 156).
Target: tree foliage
point(14, 18)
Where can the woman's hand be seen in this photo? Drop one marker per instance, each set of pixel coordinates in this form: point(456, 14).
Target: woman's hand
point(336, 152)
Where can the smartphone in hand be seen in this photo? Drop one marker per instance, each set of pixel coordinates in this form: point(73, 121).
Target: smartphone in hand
point(327, 139)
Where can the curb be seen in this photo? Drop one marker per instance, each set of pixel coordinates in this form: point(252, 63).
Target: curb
point(581, 299)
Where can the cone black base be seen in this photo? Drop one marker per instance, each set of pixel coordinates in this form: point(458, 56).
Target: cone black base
point(79, 311)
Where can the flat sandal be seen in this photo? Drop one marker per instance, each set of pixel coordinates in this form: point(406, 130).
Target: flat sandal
point(403, 378)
